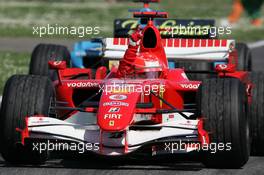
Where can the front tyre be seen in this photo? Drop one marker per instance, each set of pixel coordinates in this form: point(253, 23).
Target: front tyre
point(42, 54)
point(256, 114)
point(244, 57)
point(24, 96)
point(223, 104)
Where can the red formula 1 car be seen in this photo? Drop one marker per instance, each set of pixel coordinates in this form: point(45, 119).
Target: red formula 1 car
point(155, 110)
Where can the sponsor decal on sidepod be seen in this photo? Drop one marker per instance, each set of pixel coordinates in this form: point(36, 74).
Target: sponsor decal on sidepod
point(118, 97)
point(190, 86)
point(115, 103)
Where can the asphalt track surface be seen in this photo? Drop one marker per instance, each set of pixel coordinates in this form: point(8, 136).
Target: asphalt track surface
point(91, 165)
point(28, 44)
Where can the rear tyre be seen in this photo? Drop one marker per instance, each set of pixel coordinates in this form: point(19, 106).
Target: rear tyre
point(42, 54)
point(24, 95)
point(195, 66)
point(256, 114)
point(244, 57)
point(223, 104)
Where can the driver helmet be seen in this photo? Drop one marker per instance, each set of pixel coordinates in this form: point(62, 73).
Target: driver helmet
point(147, 66)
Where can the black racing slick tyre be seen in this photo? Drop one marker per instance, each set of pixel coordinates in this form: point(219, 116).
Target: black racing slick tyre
point(24, 96)
point(42, 54)
point(223, 106)
point(244, 57)
point(195, 66)
point(256, 115)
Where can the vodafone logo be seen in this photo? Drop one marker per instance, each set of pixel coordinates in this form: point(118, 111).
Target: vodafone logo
point(118, 97)
point(82, 84)
point(190, 86)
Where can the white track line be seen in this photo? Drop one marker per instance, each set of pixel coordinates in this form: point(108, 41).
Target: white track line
point(0, 99)
point(256, 44)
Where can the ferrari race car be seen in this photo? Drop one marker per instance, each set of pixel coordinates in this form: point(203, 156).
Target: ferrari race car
point(89, 53)
point(156, 111)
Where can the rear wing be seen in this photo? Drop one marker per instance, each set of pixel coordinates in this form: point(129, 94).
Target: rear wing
point(190, 28)
point(178, 49)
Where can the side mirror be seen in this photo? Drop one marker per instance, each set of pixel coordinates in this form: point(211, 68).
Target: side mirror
point(57, 65)
point(227, 68)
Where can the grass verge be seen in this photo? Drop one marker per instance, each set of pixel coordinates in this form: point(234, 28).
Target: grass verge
point(12, 63)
